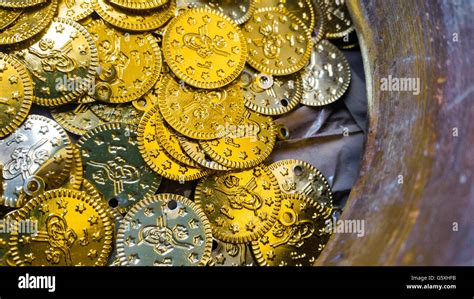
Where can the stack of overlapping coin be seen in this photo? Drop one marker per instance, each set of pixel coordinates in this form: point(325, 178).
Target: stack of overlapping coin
point(160, 90)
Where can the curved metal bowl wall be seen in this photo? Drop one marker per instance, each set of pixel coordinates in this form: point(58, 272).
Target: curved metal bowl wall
point(416, 180)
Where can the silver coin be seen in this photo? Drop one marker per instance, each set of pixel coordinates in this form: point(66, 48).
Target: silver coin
point(270, 95)
point(326, 77)
point(37, 141)
point(165, 230)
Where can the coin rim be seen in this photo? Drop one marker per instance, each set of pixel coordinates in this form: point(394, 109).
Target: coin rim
point(165, 197)
point(184, 142)
point(266, 226)
point(205, 145)
point(301, 62)
point(65, 123)
point(345, 85)
point(10, 21)
point(137, 5)
point(168, 52)
point(149, 161)
point(160, 20)
point(40, 26)
point(80, 16)
point(22, 4)
point(28, 96)
point(79, 195)
point(257, 252)
point(287, 162)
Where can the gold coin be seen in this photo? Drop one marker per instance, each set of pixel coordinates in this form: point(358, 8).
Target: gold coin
point(200, 113)
point(142, 21)
point(62, 63)
point(31, 22)
point(8, 16)
point(338, 20)
point(238, 10)
point(76, 177)
point(135, 59)
point(204, 48)
point(302, 9)
point(139, 4)
point(75, 9)
point(16, 94)
point(246, 144)
point(169, 141)
point(300, 177)
point(20, 3)
point(298, 236)
point(124, 113)
point(241, 206)
point(270, 95)
point(194, 150)
point(77, 119)
point(157, 158)
point(279, 43)
point(73, 230)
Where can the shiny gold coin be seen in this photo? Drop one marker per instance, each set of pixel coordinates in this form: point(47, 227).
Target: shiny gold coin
point(194, 150)
point(200, 113)
point(303, 9)
point(125, 113)
point(247, 144)
point(129, 63)
point(73, 230)
point(241, 206)
point(300, 177)
point(141, 21)
point(204, 48)
point(270, 95)
point(238, 10)
point(157, 158)
point(62, 63)
point(338, 20)
point(20, 3)
point(139, 4)
point(75, 9)
point(8, 16)
point(169, 141)
point(16, 94)
point(228, 254)
point(31, 22)
point(279, 43)
point(298, 236)
point(146, 102)
point(77, 119)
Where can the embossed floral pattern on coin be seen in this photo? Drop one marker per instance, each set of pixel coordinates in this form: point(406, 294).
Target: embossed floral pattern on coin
point(113, 164)
point(200, 113)
point(23, 153)
point(215, 43)
point(16, 94)
point(298, 236)
point(135, 59)
point(295, 176)
point(62, 63)
point(279, 43)
point(326, 77)
point(241, 206)
point(165, 230)
point(73, 229)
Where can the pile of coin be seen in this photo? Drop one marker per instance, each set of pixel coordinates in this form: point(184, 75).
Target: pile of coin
point(139, 92)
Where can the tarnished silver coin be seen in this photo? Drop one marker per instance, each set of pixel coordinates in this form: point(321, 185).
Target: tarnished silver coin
point(326, 77)
point(270, 95)
point(338, 20)
point(77, 119)
point(114, 165)
point(229, 254)
point(165, 230)
point(35, 142)
point(296, 176)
